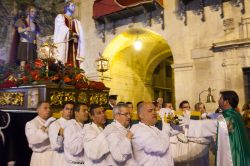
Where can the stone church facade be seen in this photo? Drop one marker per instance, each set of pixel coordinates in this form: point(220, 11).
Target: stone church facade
point(205, 53)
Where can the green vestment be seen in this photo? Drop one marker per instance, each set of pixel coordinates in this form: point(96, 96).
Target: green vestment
point(239, 142)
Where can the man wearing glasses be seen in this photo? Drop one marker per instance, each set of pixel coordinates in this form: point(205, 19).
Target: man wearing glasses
point(119, 137)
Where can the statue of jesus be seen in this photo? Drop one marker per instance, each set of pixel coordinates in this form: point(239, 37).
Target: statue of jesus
point(68, 37)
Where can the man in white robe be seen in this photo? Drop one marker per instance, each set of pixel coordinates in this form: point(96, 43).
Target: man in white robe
point(150, 145)
point(56, 137)
point(119, 137)
point(95, 144)
point(68, 37)
point(186, 151)
point(73, 137)
point(36, 132)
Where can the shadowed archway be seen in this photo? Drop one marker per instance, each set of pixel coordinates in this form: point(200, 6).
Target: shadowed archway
point(132, 70)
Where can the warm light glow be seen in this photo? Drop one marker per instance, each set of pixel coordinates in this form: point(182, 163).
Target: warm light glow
point(126, 41)
point(138, 45)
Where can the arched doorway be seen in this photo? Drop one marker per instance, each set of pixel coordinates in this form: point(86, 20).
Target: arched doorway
point(163, 81)
point(132, 71)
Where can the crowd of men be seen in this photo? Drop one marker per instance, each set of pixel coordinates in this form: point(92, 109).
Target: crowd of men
point(80, 136)
point(68, 141)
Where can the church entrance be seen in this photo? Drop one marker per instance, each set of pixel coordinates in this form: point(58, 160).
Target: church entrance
point(140, 66)
point(163, 81)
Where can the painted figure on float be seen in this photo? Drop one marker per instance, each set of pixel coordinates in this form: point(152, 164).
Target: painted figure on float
point(28, 31)
point(68, 36)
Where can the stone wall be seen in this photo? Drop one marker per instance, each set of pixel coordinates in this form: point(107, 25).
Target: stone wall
point(196, 67)
point(219, 70)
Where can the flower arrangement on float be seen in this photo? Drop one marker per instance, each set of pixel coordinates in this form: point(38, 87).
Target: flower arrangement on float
point(44, 71)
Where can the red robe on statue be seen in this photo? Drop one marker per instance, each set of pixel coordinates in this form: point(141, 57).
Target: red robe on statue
point(72, 50)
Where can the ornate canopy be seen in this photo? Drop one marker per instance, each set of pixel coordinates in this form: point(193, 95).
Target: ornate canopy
point(106, 7)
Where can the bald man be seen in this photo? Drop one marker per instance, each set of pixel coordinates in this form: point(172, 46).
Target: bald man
point(150, 145)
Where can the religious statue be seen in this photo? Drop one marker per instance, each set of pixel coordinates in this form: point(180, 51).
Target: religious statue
point(28, 31)
point(68, 37)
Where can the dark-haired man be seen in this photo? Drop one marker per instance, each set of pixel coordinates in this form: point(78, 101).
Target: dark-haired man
point(95, 144)
point(233, 146)
point(184, 106)
point(36, 132)
point(112, 101)
point(73, 136)
point(56, 136)
point(168, 105)
point(133, 113)
point(109, 109)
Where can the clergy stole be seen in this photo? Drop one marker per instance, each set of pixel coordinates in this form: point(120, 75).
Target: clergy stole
point(233, 146)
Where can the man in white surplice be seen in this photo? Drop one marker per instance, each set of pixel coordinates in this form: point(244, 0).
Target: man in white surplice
point(150, 145)
point(56, 137)
point(73, 136)
point(95, 145)
point(119, 137)
point(36, 132)
point(68, 36)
